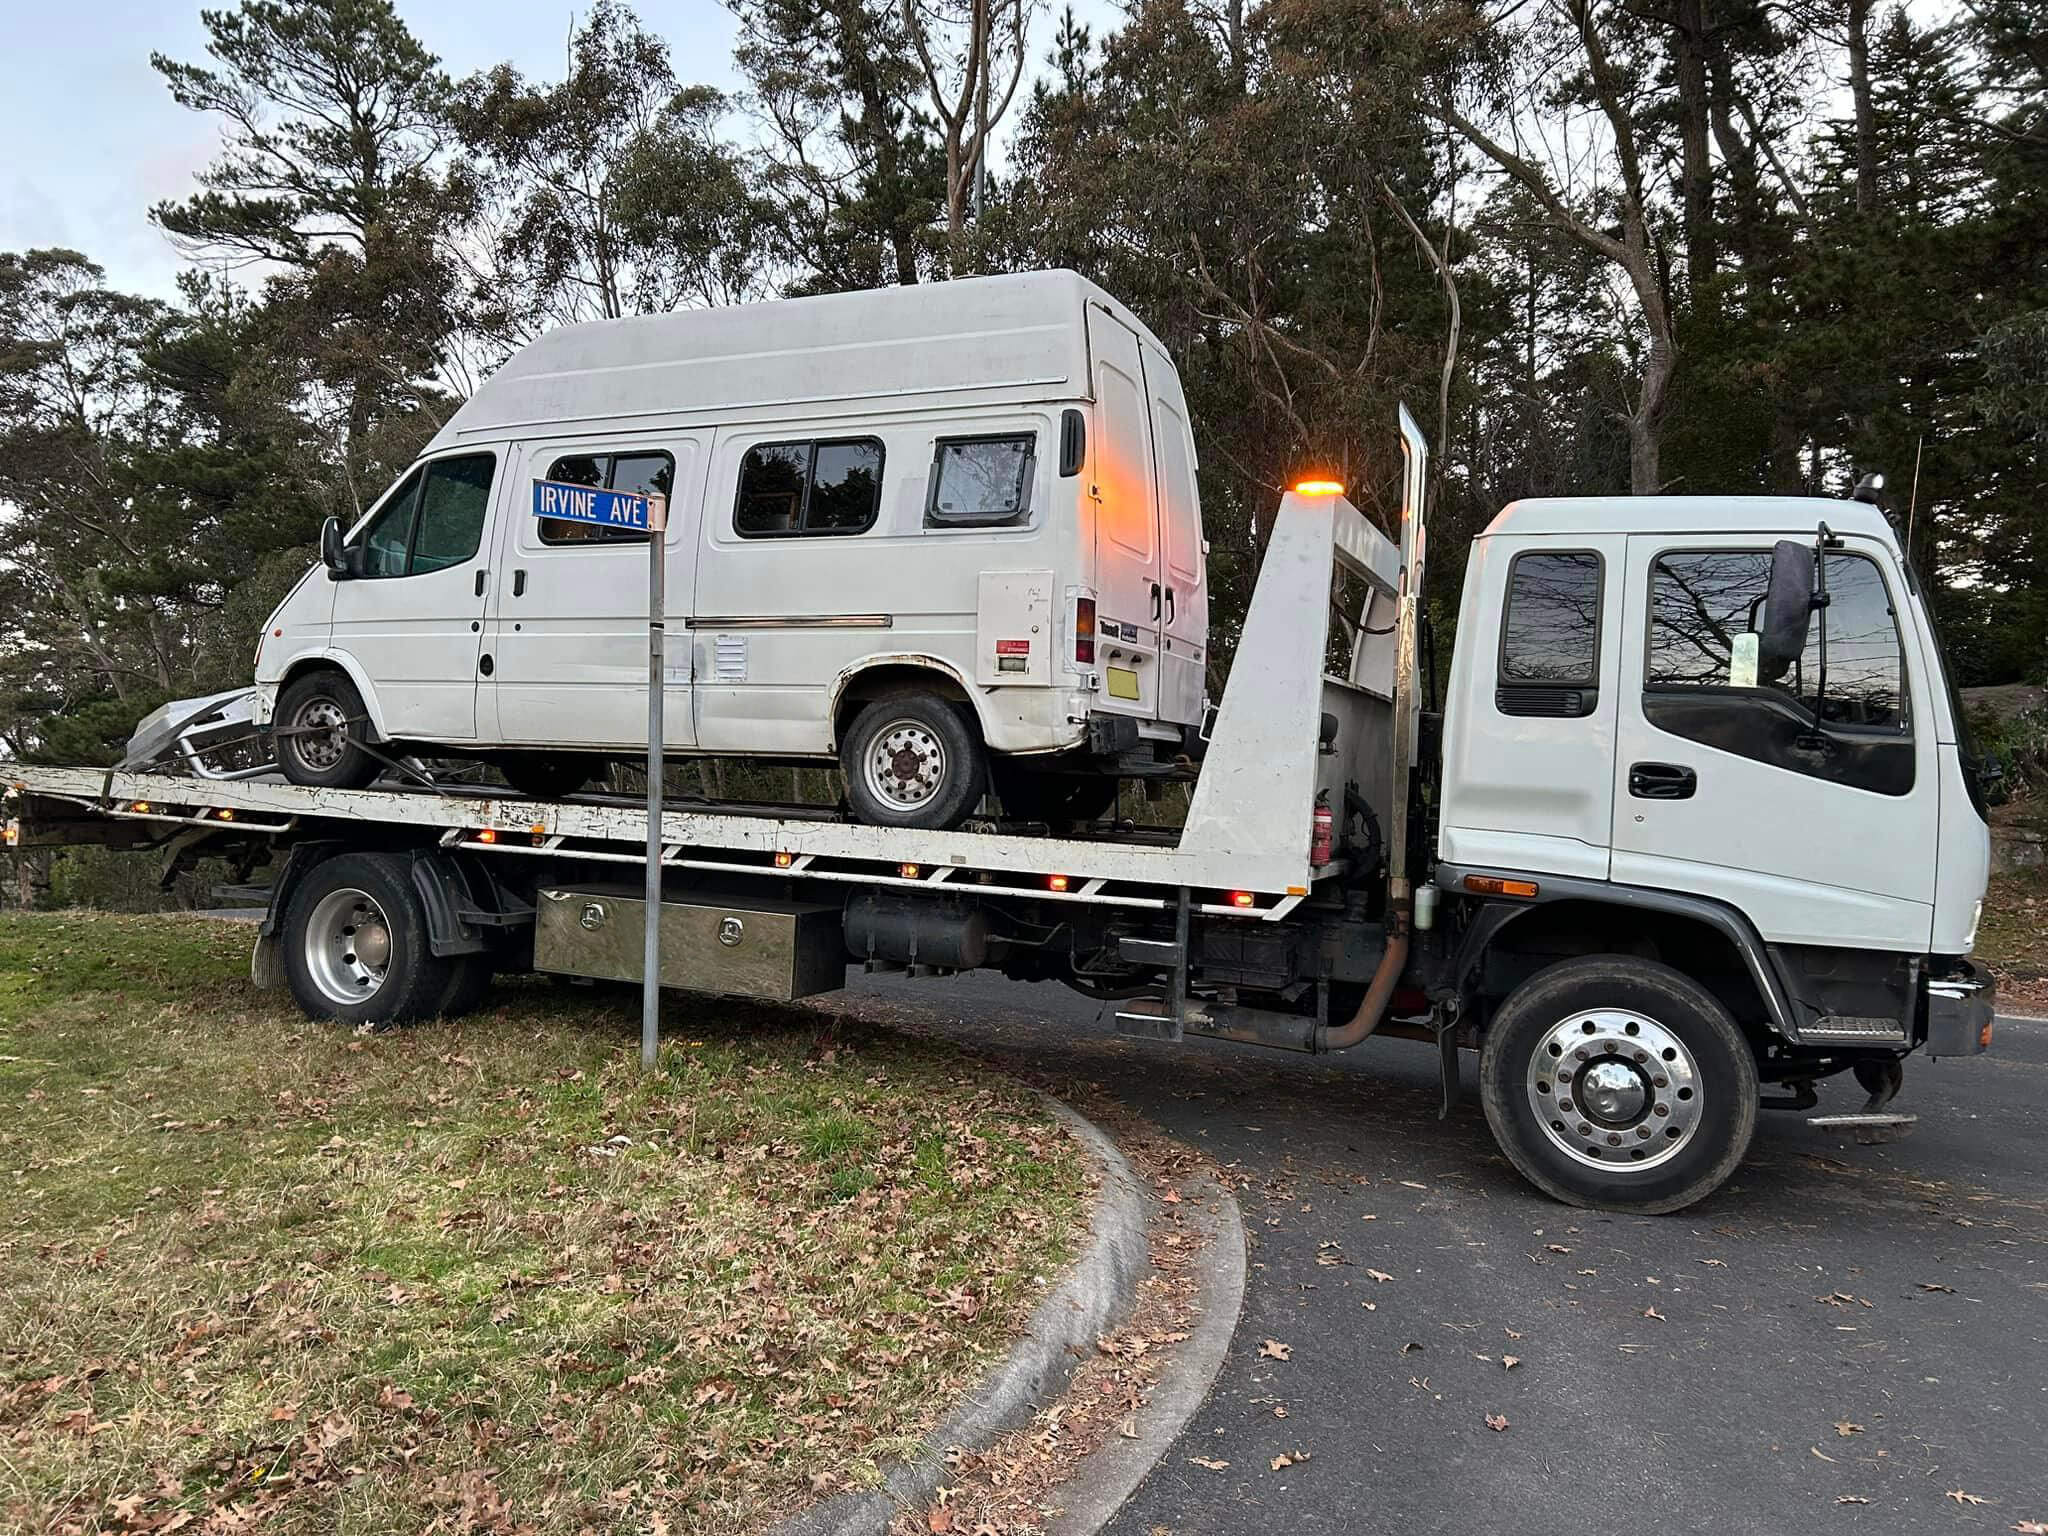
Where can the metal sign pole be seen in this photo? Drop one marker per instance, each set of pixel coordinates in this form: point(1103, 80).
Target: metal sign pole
point(657, 689)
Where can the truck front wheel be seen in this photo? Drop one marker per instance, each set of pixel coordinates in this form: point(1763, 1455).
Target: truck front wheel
point(355, 945)
point(1620, 1084)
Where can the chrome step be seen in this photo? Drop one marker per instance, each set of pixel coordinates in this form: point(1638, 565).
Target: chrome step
point(1148, 1018)
point(1868, 1126)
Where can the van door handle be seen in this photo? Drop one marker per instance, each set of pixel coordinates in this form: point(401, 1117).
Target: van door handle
point(1169, 605)
point(1661, 781)
point(519, 583)
point(1155, 602)
point(481, 573)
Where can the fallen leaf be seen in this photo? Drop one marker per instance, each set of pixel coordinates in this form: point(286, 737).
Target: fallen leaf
point(1816, 1450)
point(1370, 1306)
point(939, 1520)
point(2032, 1527)
point(1509, 1362)
point(1653, 1312)
point(1715, 1263)
point(1496, 1422)
point(1380, 1275)
point(1845, 1429)
point(1851, 1498)
point(1965, 1498)
point(1936, 1285)
point(1289, 1459)
point(1557, 1247)
point(1273, 1349)
point(1204, 1461)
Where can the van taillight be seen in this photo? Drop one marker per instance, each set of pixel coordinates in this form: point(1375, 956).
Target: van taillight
point(1084, 630)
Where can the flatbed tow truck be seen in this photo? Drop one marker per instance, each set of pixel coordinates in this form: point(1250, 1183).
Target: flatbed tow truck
point(1333, 878)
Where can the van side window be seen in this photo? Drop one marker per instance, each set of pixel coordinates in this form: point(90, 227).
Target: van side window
point(642, 474)
point(1841, 710)
point(1550, 636)
point(434, 519)
point(788, 490)
point(982, 482)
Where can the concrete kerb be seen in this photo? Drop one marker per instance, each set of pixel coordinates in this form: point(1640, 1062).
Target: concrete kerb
point(1096, 1293)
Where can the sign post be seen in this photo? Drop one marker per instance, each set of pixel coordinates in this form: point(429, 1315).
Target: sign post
point(626, 510)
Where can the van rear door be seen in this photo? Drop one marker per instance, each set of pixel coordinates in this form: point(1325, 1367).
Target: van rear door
point(1184, 623)
point(1129, 577)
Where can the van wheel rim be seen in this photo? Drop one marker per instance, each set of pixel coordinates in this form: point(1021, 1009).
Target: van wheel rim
point(348, 946)
point(319, 734)
point(1614, 1089)
point(905, 764)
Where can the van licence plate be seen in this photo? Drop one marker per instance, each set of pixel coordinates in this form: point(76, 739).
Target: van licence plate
point(1123, 683)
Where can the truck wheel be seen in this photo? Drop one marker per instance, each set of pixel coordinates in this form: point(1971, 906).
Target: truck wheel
point(319, 729)
point(355, 944)
point(544, 775)
point(1620, 1084)
point(912, 761)
point(1031, 795)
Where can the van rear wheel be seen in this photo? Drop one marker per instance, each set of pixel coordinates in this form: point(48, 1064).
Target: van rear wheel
point(1030, 794)
point(912, 760)
point(1619, 1083)
point(319, 731)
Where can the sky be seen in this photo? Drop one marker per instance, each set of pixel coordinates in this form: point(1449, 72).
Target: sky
point(93, 138)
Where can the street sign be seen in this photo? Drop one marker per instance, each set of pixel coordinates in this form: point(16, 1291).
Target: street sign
point(622, 510)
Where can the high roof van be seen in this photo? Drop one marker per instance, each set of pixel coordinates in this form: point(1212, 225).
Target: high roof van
point(944, 534)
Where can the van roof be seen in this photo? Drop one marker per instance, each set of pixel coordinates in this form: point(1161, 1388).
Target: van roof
point(1774, 515)
point(1016, 337)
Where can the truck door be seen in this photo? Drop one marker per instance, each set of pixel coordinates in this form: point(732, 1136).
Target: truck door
point(1807, 801)
point(411, 617)
point(1129, 577)
point(569, 617)
point(1184, 621)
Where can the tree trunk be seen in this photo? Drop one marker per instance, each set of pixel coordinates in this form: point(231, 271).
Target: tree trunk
point(1866, 110)
point(1696, 170)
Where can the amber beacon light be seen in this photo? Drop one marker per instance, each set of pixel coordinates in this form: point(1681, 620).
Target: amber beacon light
point(1319, 487)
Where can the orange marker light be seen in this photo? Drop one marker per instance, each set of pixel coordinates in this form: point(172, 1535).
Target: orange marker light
point(140, 805)
point(910, 871)
point(1055, 882)
point(1319, 487)
point(1240, 898)
point(225, 814)
point(784, 860)
point(487, 835)
point(1494, 885)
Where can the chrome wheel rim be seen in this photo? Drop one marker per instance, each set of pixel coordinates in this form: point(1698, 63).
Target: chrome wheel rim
point(1614, 1089)
point(319, 733)
point(905, 764)
point(348, 946)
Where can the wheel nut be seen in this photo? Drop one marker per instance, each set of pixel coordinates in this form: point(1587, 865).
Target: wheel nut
point(1642, 1055)
point(1565, 1105)
point(1584, 1129)
point(1613, 1140)
point(1663, 1109)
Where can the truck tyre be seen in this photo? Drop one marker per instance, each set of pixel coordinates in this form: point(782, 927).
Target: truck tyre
point(544, 775)
point(469, 983)
point(912, 760)
point(1619, 1083)
point(355, 944)
point(1031, 795)
point(319, 730)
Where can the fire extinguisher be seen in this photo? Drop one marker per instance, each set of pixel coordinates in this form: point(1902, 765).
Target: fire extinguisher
point(1322, 831)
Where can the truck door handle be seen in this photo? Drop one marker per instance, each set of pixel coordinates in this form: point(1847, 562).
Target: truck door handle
point(519, 583)
point(1155, 602)
point(481, 573)
point(1661, 781)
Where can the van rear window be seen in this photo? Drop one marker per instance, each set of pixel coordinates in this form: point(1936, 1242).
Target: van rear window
point(643, 474)
point(981, 482)
point(790, 490)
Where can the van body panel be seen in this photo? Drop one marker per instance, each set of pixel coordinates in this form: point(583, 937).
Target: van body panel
point(1184, 626)
point(1123, 497)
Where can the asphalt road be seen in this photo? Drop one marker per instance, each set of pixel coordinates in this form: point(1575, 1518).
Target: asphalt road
point(1845, 1338)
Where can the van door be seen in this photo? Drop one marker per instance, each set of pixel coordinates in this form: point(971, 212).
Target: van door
point(412, 616)
point(1130, 600)
point(1808, 801)
point(1184, 623)
point(569, 615)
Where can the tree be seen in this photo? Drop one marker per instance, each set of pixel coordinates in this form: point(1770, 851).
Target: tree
point(972, 54)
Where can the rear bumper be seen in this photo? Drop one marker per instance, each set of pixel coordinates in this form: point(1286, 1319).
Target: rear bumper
point(1960, 1007)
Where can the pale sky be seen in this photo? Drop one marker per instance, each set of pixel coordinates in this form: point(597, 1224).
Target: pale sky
point(92, 138)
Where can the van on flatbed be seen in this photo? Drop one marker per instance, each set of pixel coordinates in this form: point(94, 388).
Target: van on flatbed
point(1697, 820)
point(939, 534)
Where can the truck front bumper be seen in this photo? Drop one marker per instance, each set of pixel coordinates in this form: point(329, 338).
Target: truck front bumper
point(1960, 1006)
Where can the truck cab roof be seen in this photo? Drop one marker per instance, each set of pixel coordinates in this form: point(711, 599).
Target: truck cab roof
point(1778, 516)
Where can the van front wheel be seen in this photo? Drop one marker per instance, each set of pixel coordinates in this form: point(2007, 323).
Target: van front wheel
point(319, 730)
point(912, 760)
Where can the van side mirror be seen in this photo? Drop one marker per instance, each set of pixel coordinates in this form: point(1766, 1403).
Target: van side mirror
point(1788, 609)
point(331, 553)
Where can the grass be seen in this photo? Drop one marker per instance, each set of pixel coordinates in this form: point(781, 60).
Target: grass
point(2012, 938)
point(261, 1273)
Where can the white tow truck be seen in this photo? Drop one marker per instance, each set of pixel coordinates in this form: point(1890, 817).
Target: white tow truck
point(1696, 818)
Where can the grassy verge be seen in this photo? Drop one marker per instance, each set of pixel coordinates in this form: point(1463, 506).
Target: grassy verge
point(258, 1273)
point(2012, 938)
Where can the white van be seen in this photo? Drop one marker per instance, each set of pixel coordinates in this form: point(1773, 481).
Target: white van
point(943, 533)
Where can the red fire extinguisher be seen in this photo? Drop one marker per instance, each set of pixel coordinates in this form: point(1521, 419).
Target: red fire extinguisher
point(1322, 831)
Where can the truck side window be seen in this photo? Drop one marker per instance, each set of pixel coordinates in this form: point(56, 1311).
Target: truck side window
point(640, 473)
point(1841, 710)
point(982, 482)
point(790, 490)
point(1550, 636)
point(434, 519)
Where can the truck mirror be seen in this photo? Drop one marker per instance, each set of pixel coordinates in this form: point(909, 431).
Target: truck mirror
point(331, 554)
point(1788, 609)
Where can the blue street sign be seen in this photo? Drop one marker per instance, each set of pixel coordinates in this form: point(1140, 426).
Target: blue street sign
point(587, 504)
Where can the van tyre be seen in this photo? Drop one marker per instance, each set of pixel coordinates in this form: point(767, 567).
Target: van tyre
point(913, 760)
point(319, 730)
point(1619, 1083)
point(544, 775)
point(355, 945)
